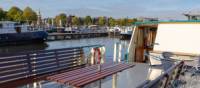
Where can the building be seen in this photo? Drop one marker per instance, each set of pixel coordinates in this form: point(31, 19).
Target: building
point(192, 16)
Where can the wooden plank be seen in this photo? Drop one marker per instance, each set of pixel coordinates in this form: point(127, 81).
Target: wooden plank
point(71, 54)
point(13, 67)
point(88, 76)
point(12, 55)
point(72, 73)
point(42, 59)
point(13, 77)
point(46, 70)
point(50, 67)
point(99, 76)
point(69, 58)
point(53, 53)
point(76, 72)
point(46, 51)
point(12, 63)
point(42, 54)
point(12, 58)
point(77, 77)
point(12, 72)
point(66, 52)
point(26, 64)
point(36, 67)
point(38, 63)
point(68, 61)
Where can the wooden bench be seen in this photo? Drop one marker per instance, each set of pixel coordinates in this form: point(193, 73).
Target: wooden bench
point(28, 64)
point(80, 77)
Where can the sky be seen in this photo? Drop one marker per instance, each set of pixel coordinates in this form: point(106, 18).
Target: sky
point(163, 9)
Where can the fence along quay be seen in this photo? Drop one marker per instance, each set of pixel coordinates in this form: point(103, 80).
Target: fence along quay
point(25, 65)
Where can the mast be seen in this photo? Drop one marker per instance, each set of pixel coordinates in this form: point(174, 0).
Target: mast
point(39, 19)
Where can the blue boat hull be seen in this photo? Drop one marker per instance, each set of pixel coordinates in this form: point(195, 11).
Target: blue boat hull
point(25, 37)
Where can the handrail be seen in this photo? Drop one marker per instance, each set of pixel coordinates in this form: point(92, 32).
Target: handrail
point(177, 53)
point(36, 51)
point(159, 58)
point(34, 63)
point(156, 83)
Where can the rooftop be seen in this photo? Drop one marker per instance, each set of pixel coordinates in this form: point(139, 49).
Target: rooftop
point(170, 21)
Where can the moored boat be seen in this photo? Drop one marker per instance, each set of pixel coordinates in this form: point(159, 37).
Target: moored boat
point(16, 33)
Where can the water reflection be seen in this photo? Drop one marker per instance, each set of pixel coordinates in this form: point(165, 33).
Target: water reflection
point(23, 48)
point(106, 41)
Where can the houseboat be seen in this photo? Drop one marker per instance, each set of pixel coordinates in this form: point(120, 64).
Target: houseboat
point(155, 37)
point(16, 33)
point(162, 43)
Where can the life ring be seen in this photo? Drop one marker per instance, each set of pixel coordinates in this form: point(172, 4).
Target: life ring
point(98, 53)
point(103, 50)
point(96, 56)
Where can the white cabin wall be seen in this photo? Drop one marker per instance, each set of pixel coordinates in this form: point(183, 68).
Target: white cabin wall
point(178, 37)
point(131, 48)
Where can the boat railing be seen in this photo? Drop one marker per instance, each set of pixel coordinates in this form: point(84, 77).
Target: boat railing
point(35, 63)
point(166, 80)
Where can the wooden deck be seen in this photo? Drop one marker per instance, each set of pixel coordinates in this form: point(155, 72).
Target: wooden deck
point(80, 77)
point(129, 78)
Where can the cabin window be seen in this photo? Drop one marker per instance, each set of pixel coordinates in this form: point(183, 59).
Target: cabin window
point(18, 29)
point(1, 25)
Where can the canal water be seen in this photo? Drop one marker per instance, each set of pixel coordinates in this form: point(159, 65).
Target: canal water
point(107, 42)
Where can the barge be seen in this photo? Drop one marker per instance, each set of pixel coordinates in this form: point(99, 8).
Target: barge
point(16, 33)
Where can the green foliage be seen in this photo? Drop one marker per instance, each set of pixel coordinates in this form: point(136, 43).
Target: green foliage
point(29, 15)
point(61, 19)
point(49, 20)
point(88, 20)
point(18, 17)
point(102, 21)
point(124, 22)
point(14, 14)
point(2, 14)
point(111, 22)
point(75, 21)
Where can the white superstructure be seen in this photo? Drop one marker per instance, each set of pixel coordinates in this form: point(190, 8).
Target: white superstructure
point(12, 27)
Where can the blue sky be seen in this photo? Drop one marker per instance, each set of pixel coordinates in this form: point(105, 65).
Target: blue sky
point(166, 9)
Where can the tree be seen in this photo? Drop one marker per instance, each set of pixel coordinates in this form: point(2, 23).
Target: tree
point(122, 22)
point(134, 20)
point(2, 14)
point(111, 22)
point(102, 21)
point(49, 20)
point(14, 14)
point(61, 19)
point(18, 17)
point(88, 20)
point(29, 15)
point(75, 21)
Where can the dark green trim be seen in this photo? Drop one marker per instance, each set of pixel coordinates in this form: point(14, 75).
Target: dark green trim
point(157, 22)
